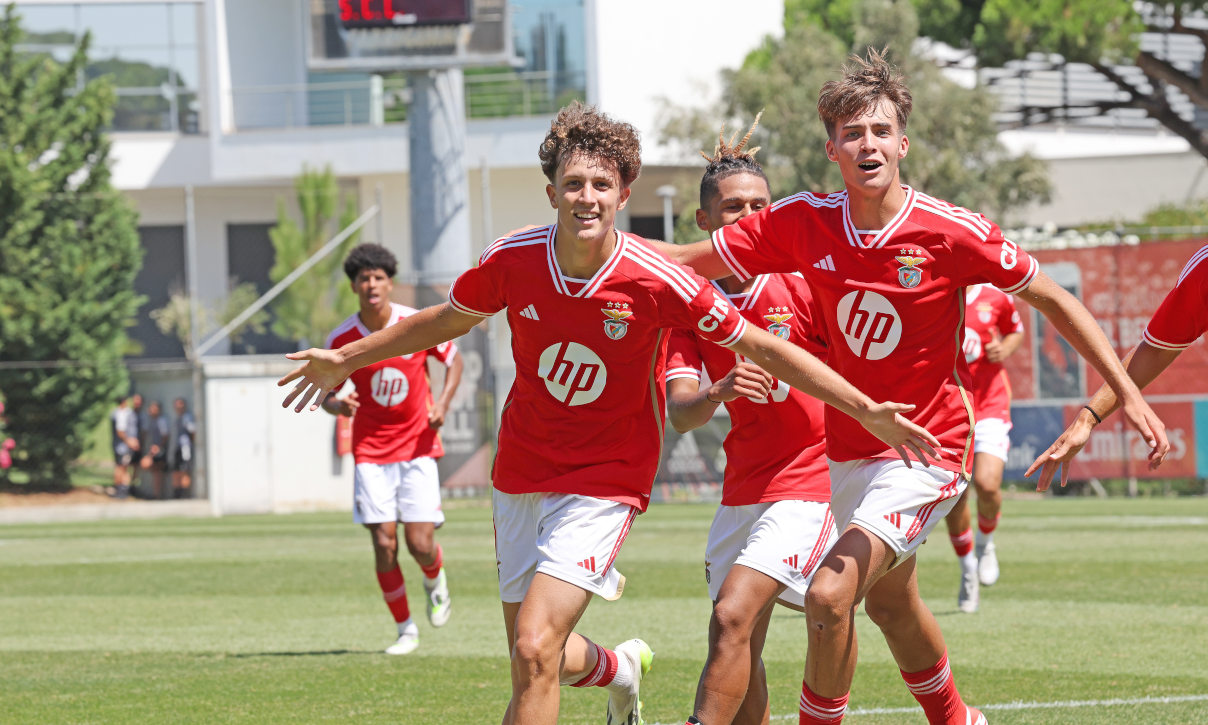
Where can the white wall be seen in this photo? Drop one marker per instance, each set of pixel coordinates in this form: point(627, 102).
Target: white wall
point(672, 49)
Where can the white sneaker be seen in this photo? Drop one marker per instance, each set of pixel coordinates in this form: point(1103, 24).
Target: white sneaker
point(987, 565)
point(973, 716)
point(968, 599)
point(439, 604)
point(406, 644)
point(624, 708)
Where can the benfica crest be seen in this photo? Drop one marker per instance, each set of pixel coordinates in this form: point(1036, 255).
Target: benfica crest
point(909, 274)
point(778, 317)
point(617, 323)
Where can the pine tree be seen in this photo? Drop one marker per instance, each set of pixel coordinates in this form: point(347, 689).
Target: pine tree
point(317, 301)
point(69, 253)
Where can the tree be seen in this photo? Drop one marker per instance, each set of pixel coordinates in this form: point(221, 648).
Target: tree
point(1100, 33)
point(954, 152)
point(174, 318)
point(69, 253)
point(315, 303)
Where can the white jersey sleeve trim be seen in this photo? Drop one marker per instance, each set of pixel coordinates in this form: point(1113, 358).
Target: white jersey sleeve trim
point(466, 310)
point(735, 336)
point(687, 372)
point(1033, 268)
point(1192, 263)
point(727, 256)
point(1152, 341)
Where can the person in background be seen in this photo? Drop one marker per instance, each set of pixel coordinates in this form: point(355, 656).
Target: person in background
point(184, 431)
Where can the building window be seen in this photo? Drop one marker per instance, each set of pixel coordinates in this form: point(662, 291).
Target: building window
point(162, 274)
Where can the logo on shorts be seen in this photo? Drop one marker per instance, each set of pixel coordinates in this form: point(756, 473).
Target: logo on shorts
point(708, 574)
point(909, 274)
point(573, 374)
point(791, 561)
point(870, 324)
point(778, 316)
point(617, 323)
point(589, 564)
point(389, 387)
point(895, 519)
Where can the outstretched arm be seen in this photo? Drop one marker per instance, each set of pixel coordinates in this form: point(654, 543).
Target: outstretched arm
point(324, 369)
point(700, 256)
point(1143, 363)
point(689, 406)
point(810, 375)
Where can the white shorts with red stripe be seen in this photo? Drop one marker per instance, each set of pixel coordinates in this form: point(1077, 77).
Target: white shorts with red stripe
point(566, 536)
point(993, 436)
point(785, 540)
point(899, 505)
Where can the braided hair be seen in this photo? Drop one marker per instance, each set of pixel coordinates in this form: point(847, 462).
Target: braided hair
point(727, 160)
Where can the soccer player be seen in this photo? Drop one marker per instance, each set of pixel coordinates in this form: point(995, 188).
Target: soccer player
point(993, 331)
point(887, 266)
point(774, 523)
point(581, 429)
point(1180, 320)
point(395, 443)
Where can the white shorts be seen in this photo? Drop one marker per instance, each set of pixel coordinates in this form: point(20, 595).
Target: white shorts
point(898, 505)
point(407, 491)
point(569, 537)
point(785, 540)
point(993, 436)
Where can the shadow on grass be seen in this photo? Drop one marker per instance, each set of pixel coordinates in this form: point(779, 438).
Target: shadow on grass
point(315, 653)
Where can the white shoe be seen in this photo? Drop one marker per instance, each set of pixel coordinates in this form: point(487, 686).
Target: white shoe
point(987, 565)
point(624, 708)
point(406, 644)
point(973, 716)
point(439, 604)
point(968, 598)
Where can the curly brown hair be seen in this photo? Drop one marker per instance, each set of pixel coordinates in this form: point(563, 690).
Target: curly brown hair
point(581, 129)
point(864, 84)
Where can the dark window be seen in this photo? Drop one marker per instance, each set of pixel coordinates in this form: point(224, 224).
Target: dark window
point(650, 227)
point(163, 272)
point(250, 256)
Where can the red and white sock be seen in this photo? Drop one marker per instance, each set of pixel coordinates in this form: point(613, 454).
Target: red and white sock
point(962, 543)
point(610, 671)
point(818, 710)
point(431, 572)
point(985, 526)
point(935, 690)
point(395, 593)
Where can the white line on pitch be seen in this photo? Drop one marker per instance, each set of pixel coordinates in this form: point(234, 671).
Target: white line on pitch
point(1060, 704)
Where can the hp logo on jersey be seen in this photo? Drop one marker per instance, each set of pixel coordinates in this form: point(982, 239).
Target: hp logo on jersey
point(389, 387)
point(870, 324)
point(971, 346)
point(573, 374)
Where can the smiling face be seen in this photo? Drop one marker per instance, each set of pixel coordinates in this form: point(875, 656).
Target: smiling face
point(372, 287)
point(737, 196)
point(868, 147)
point(587, 192)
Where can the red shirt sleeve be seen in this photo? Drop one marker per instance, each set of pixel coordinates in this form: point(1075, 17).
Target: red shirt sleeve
point(445, 352)
point(706, 312)
point(1008, 317)
point(683, 356)
point(766, 241)
point(1183, 316)
point(479, 291)
point(994, 259)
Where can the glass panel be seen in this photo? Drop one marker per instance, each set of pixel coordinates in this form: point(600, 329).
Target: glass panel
point(184, 25)
point(126, 26)
point(41, 21)
point(139, 111)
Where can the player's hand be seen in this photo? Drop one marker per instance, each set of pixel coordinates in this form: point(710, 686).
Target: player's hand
point(346, 405)
point(1142, 418)
point(885, 421)
point(1059, 455)
point(436, 416)
point(993, 348)
point(322, 372)
point(745, 380)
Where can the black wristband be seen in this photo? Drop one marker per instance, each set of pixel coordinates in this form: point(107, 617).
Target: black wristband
point(1098, 420)
point(711, 400)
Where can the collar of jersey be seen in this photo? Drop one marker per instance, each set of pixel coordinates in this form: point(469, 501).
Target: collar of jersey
point(972, 292)
point(597, 279)
point(881, 238)
point(395, 314)
point(750, 295)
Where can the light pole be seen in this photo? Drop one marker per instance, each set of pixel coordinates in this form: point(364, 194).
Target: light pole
point(667, 192)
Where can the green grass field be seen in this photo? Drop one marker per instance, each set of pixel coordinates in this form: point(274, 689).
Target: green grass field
point(1100, 617)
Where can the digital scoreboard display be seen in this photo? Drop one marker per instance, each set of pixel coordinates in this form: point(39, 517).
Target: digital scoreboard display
point(402, 13)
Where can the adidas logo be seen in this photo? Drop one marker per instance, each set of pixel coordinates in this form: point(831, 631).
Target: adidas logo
point(530, 312)
point(792, 561)
point(825, 263)
point(589, 564)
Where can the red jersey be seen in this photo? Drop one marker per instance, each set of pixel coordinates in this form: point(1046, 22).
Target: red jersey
point(892, 301)
point(988, 311)
point(1183, 316)
point(585, 414)
point(775, 450)
point(391, 423)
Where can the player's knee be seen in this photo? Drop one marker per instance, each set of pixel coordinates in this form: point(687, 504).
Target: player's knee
point(421, 547)
point(533, 653)
point(887, 612)
point(827, 603)
point(733, 622)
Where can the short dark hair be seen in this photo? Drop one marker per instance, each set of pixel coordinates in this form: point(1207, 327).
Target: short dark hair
point(727, 160)
point(369, 256)
point(864, 84)
point(580, 129)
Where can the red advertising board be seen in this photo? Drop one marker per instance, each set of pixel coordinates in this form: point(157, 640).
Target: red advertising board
point(1116, 451)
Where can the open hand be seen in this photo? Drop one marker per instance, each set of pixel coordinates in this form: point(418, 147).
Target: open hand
point(322, 372)
point(885, 421)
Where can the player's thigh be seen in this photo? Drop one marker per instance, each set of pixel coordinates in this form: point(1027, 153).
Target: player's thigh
point(579, 538)
point(419, 492)
point(786, 542)
point(515, 518)
point(375, 493)
point(550, 610)
point(987, 473)
point(898, 504)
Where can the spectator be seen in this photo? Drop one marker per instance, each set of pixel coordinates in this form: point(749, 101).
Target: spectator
point(183, 432)
point(124, 426)
point(155, 456)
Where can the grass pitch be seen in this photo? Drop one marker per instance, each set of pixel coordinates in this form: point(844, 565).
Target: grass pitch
point(1100, 617)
